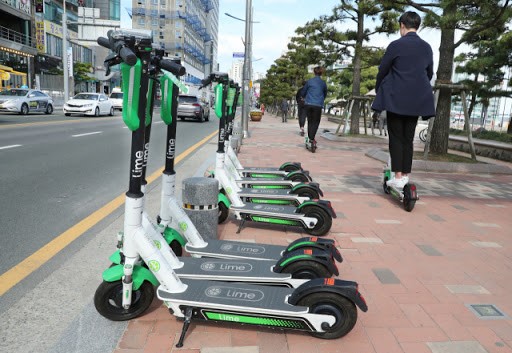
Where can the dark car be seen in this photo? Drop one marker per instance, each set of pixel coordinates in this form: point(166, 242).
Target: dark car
point(190, 106)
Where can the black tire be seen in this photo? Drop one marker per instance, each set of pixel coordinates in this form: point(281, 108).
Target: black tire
point(49, 109)
point(176, 248)
point(312, 194)
point(307, 270)
point(182, 118)
point(24, 109)
point(111, 111)
point(207, 117)
point(108, 299)
point(408, 201)
point(67, 114)
point(97, 112)
point(291, 168)
point(223, 212)
point(324, 223)
point(300, 177)
point(385, 186)
point(333, 304)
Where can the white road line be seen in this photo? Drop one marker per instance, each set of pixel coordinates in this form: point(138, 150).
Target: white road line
point(87, 134)
point(10, 146)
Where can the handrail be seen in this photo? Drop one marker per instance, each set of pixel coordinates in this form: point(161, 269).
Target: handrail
point(13, 36)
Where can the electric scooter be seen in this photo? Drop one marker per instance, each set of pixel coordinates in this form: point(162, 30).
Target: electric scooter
point(314, 216)
point(310, 145)
point(327, 308)
point(408, 195)
point(303, 263)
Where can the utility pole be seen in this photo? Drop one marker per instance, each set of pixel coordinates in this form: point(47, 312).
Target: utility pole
point(247, 65)
point(65, 51)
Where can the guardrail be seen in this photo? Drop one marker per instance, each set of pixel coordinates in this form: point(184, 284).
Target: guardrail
point(13, 36)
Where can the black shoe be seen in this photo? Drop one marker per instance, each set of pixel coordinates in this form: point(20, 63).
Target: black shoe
point(301, 132)
point(313, 146)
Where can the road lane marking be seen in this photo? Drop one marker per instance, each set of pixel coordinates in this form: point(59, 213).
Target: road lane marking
point(16, 274)
point(88, 133)
point(10, 146)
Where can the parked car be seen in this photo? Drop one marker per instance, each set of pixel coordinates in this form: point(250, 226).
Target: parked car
point(190, 106)
point(117, 99)
point(24, 101)
point(94, 104)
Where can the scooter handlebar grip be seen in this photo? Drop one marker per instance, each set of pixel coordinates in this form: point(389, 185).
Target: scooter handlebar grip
point(104, 42)
point(174, 68)
point(128, 56)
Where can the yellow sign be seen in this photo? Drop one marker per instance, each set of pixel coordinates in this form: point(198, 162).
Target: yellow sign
point(250, 84)
point(40, 37)
point(4, 76)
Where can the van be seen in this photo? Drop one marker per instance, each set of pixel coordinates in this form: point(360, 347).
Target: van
point(117, 98)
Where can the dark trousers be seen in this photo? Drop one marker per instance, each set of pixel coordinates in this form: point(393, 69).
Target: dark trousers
point(301, 112)
point(313, 114)
point(401, 129)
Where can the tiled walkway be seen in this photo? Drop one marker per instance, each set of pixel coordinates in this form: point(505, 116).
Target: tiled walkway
point(436, 280)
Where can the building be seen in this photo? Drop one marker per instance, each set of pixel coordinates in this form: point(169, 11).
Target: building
point(236, 71)
point(186, 29)
point(17, 45)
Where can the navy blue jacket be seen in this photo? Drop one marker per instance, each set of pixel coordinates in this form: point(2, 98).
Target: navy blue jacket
point(403, 82)
point(314, 92)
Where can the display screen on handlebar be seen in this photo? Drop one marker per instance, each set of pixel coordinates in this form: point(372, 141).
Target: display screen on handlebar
point(137, 33)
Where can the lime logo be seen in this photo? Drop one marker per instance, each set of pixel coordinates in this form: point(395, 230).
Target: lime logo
point(183, 226)
point(229, 190)
point(157, 244)
point(154, 265)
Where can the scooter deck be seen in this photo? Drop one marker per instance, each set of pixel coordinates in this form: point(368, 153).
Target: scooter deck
point(263, 181)
point(266, 193)
point(230, 270)
point(237, 250)
point(268, 210)
point(234, 296)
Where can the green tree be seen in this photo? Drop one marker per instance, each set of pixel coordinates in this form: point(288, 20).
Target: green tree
point(81, 72)
point(472, 18)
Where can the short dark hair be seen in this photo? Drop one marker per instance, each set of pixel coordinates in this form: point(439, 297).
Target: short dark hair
point(318, 70)
point(410, 19)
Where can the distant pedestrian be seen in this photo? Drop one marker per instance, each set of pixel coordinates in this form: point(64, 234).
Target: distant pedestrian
point(314, 93)
point(285, 107)
point(262, 108)
point(301, 111)
point(405, 93)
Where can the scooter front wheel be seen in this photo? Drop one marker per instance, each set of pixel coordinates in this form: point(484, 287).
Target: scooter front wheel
point(223, 212)
point(307, 270)
point(341, 308)
point(324, 223)
point(300, 177)
point(108, 300)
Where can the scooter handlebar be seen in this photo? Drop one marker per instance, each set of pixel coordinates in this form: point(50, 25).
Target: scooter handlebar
point(104, 42)
point(173, 67)
point(128, 56)
point(125, 53)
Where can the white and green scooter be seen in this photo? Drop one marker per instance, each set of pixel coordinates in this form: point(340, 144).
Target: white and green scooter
point(324, 307)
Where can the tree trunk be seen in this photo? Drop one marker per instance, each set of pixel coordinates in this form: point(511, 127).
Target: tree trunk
point(356, 82)
point(441, 128)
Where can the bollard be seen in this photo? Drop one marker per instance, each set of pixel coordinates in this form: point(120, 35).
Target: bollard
point(234, 144)
point(237, 133)
point(200, 202)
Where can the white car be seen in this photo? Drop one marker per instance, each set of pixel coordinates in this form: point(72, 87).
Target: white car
point(24, 100)
point(94, 104)
point(117, 100)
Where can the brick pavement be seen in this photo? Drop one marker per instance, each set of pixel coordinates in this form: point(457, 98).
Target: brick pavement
point(419, 272)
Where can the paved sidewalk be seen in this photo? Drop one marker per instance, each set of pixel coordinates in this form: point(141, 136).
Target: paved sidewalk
point(436, 280)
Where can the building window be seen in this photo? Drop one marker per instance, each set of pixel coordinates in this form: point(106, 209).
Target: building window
point(115, 10)
point(154, 2)
point(154, 22)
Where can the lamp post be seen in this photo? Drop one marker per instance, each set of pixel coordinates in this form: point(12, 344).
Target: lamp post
point(65, 51)
point(246, 74)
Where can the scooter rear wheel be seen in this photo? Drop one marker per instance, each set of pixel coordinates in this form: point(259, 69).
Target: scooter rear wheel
point(223, 212)
point(324, 223)
point(385, 186)
point(333, 304)
point(312, 194)
point(300, 177)
point(291, 168)
point(109, 297)
point(307, 270)
point(409, 201)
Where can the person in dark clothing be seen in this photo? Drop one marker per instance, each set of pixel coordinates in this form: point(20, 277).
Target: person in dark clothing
point(301, 112)
point(405, 93)
point(284, 110)
point(314, 93)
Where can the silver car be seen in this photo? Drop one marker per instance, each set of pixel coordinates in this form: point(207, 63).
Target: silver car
point(190, 106)
point(24, 101)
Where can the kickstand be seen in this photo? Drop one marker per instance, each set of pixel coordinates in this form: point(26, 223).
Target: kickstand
point(241, 225)
point(186, 324)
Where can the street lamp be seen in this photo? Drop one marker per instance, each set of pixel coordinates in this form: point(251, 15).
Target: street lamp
point(247, 64)
point(65, 51)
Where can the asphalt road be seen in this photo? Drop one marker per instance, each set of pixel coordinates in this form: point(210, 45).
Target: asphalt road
point(57, 170)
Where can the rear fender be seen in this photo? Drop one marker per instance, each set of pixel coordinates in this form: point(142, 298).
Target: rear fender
point(290, 175)
point(224, 199)
point(316, 243)
point(347, 289)
point(296, 165)
point(317, 255)
point(140, 274)
point(324, 204)
point(317, 187)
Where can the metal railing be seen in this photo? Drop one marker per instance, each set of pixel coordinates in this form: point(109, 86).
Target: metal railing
point(13, 36)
